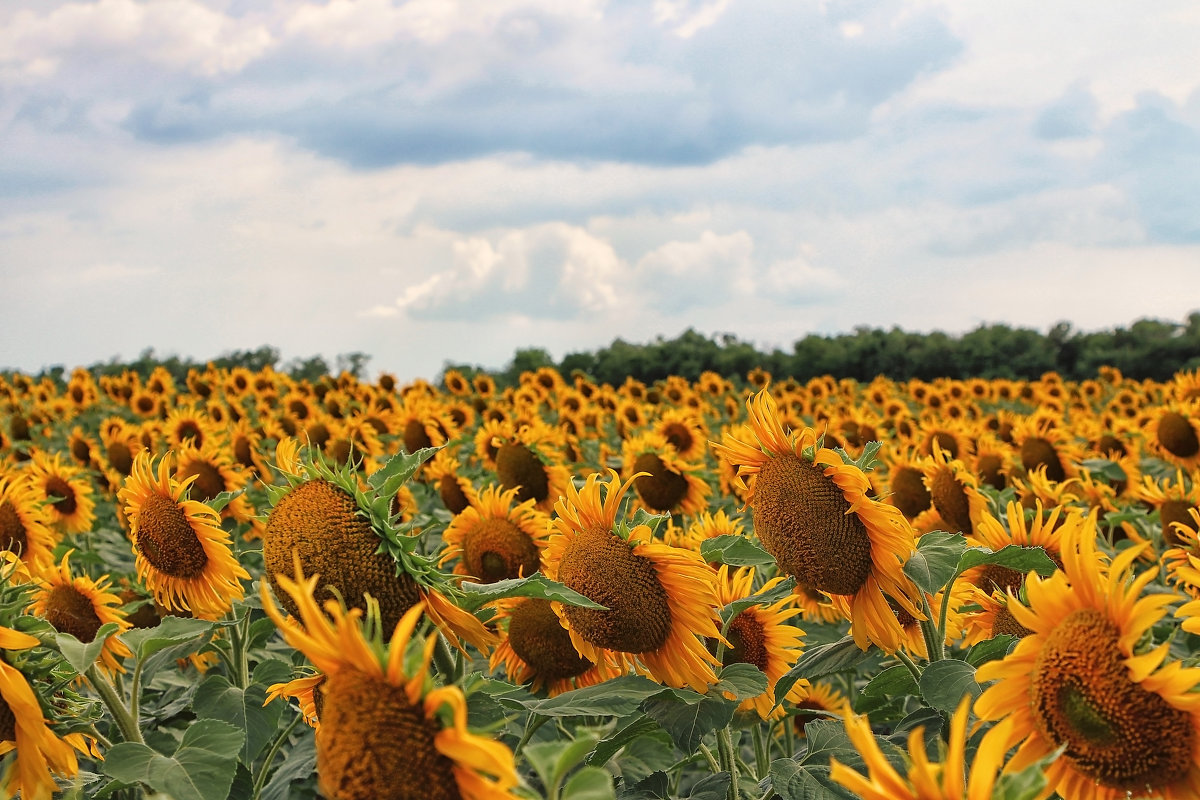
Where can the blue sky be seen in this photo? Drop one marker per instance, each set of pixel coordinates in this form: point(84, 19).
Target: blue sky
point(436, 180)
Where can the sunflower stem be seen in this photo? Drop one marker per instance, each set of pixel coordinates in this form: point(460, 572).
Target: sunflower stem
point(789, 737)
point(126, 722)
point(238, 637)
point(260, 779)
point(930, 632)
point(713, 765)
point(912, 665)
point(728, 760)
point(446, 663)
point(531, 725)
point(761, 759)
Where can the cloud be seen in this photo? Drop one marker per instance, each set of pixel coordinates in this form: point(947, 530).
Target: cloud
point(797, 281)
point(681, 275)
point(1073, 115)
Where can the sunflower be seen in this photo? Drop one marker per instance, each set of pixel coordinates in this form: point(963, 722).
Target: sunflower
point(494, 540)
point(24, 523)
point(187, 424)
point(306, 691)
point(80, 606)
point(702, 527)
point(121, 444)
point(380, 732)
point(926, 780)
point(659, 599)
point(492, 433)
point(457, 493)
point(537, 649)
point(23, 728)
point(821, 701)
point(667, 483)
point(1173, 432)
point(961, 594)
point(812, 513)
point(1041, 443)
point(1083, 680)
point(1172, 499)
point(528, 461)
point(326, 523)
point(760, 635)
point(905, 485)
point(183, 557)
point(212, 472)
point(954, 491)
point(1055, 531)
point(82, 448)
point(684, 430)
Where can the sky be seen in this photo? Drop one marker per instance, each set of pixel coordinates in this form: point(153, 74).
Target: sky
point(442, 181)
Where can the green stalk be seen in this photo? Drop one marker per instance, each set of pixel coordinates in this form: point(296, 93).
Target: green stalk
point(728, 760)
point(762, 761)
point(260, 780)
point(912, 666)
point(531, 725)
point(932, 635)
point(126, 722)
point(713, 765)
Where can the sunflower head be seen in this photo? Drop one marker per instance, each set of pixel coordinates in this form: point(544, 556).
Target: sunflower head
point(496, 538)
point(80, 606)
point(665, 483)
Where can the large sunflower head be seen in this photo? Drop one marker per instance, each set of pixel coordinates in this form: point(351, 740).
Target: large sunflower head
point(813, 514)
point(1042, 444)
point(496, 538)
point(1086, 680)
point(212, 472)
point(24, 522)
point(666, 482)
point(78, 605)
point(327, 523)
point(382, 732)
point(659, 599)
point(954, 491)
point(183, 556)
point(1173, 433)
point(529, 460)
point(537, 649)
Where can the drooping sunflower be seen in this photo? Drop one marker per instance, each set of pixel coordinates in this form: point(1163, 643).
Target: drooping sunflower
point(905, 486)
point(444, 472)
point(79, 606)
point(325, 521)
point(667, 483)
point(762, 635)
point(40, 754)
point(1084, 680)
point(537, 649)
point(380, 734)
point(212, 471)
point(925, 779)
point(813, 514)
point(493, 539)
point(1173, 432)
point(24, 524)
point(954, 491)
point(182, 555)
point(660, 600)
point(530, 461)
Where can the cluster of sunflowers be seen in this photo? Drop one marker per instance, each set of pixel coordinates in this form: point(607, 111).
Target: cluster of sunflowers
point(771, 589)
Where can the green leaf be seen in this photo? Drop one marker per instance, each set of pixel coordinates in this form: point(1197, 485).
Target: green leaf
point(79, 655)
point(791, 780)
point(865, 461)
point(945, 683)
point(608, 747)
point(763, 598)
point(827, 738)
point(734, 550)
point(219, 502)
point(537, 585)
point(388, 479)
point(990, 649)
point(171, 631)
point(646, 755)
point(688, 717)
point(712, 787)
point(1029, 782)
point(271, 671)
point(590, 783)
point(656, 786)
point(217, 698)
point(892, 682)
point(820, 661)
point(649, 519)
point(618, 697)
point(1021, 559)
point(935, 560)
point(300, 764)
point(201, 769)
point(1110, 471)
point(743, 680)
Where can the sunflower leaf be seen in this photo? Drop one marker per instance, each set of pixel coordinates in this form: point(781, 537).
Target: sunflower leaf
point(688, 717)
point(608, 747)
point(82, 655)
point(1029, 782)
point(893, 681)
point(712, 787)
point(219, 502)
point(866, 460)
point(388, 479)
point(649, 519)
point(217, 698)
point(202, 767)
point(762, 598)
point(537, 585)
point(618, 697)
point(734, 550)
point(990, 649)
point(791, 780)
point(936, 560)
point(590, 783)
point(827, 659)
point(1104, 468)
point(945, 683)
point(743, 680)
point(1021, 559)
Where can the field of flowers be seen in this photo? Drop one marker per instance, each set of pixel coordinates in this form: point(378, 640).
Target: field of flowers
point(250, 586)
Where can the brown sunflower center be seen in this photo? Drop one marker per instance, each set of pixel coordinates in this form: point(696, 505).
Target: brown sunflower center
point(603, 567)
point(81, 451)
point(747, 644)
point(679, 436)
point(120, 457)
point(946, 441)
point(167, 540)
point(990, 468)
point(908, 491)
point(1172, 511)
point(189, 429)
point(71, 611)
point(1038, 452)
point(1004, 622)
point(662, 489)
point(321, 523)
point(8, 723)
point(951, 501)
point(996, 577)
point(519, 468)
point(415, 437)
point(209, 482)
point(373, 743)
point(1116, 732)
point(1108, 443)
point(57, 487)
point(12, 529)
point(1177, 436)
point(536, 635)
point(497, 549)
point(452, 494)
point(803, 520)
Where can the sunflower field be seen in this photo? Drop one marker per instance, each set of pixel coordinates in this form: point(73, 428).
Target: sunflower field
point(251, 586)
